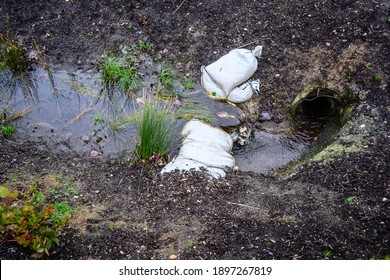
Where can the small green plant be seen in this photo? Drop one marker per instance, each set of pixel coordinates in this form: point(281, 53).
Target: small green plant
point(29, 221)
point(98, 119)
point(367, 66)
point(120, 72)
point(378, 77)
point(131, 26)
point(11, 55)
point(166, 78)
point(63, 190)
point(155, 127)
point(112, 226)
point(352, 199)
point(144, 46)
point(63, 209)
point(8, 130)
point(328, 253)
point(188, 84)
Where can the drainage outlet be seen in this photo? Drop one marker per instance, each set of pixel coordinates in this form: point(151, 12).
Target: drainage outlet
point(318, 103)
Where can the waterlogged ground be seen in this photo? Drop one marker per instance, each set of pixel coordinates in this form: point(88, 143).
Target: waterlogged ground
point(334, 206)
point(70, 112)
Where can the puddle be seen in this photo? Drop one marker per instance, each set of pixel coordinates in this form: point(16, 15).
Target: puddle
point(268, 151)
point(66, 112)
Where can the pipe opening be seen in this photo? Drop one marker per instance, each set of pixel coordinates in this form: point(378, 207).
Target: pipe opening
point(319, 104)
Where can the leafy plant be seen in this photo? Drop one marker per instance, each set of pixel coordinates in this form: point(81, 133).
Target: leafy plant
point(378, 77)
point(367, 65)
point(328, 253)
point(63, 190)
point(166, 78)
point(155, 127)
point(11, 55)
point(352, 199)
point(144, 46)
point(29, 221)
point(8, 130)
point(98, 119)
point(120, 72)
point(188, 84)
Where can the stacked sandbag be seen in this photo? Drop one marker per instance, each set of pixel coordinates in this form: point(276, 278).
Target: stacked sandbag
point(227, 78)
point(203, 147)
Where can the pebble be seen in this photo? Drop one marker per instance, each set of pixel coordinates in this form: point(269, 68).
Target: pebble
point(94, 153)
point(265, 116)
point(172, 257)
point(327, 44)
point(277, 75)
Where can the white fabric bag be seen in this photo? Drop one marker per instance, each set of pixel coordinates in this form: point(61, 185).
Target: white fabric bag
point(205, 147)
point(221, 77)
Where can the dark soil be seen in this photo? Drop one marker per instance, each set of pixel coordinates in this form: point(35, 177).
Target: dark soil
point(136, 213)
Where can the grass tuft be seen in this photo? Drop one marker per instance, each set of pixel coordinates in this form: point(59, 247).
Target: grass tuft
point(120, 73)
point(8, 130)
point(166, 78)
point(155, 127)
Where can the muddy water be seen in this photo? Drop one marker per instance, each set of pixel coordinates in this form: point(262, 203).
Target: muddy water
point(66, 112)
point(268, 150)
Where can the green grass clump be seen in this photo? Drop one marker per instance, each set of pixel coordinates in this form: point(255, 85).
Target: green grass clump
point(11, 55)
point(121, 73)
point(166, 78)
point(155, 128)
point(8, 130)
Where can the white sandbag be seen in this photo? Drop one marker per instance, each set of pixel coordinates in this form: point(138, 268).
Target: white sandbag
point(180, 163)
point(244, 91)
point(205, 147)
point(230, 71)
point(209, 85)
point(197, 131)
point(210, 155)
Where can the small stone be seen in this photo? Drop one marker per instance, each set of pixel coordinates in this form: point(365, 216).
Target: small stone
point(172, 257)
point(85, 138)
point(94, 153)
point(327, 44)
point(265, 116)
point(97, 191)
point(121, 252)
point(384, 199)
point(277, 75)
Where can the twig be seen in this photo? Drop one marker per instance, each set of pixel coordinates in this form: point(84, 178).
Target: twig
point(179, 7)
point(78, 117)
point(247, 44)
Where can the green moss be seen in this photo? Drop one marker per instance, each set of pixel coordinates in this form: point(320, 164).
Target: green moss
point(334, 150)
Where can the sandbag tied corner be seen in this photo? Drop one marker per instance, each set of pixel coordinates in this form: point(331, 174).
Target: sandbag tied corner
point(203, 147)
point(227, 78)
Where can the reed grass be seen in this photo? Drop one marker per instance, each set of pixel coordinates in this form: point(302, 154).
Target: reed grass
point(155, 127)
